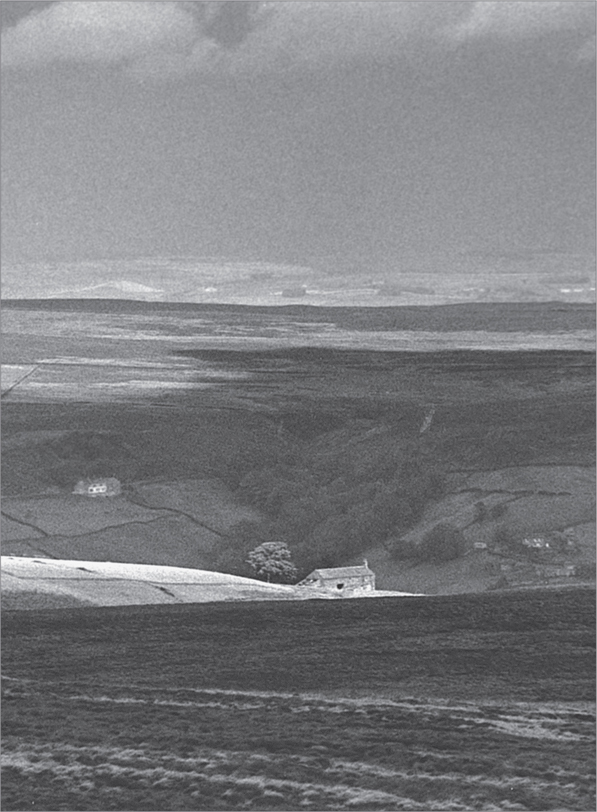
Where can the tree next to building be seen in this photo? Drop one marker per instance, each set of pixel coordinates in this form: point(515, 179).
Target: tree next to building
point(272, 562)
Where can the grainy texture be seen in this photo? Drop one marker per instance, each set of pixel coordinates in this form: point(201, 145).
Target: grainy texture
point(463, 702)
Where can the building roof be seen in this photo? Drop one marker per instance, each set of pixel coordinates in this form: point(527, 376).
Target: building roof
point(341, 572)
point(98, 480)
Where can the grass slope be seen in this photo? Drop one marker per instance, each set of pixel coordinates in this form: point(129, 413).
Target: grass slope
point(181, 523)
point(67, 582)
point(76, 515)
point(520, 645)
point(173, 541)
point(530, 501)
point(452, 703)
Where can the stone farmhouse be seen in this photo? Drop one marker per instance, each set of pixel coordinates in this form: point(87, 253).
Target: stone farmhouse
point(102, 486)
point(341, 579)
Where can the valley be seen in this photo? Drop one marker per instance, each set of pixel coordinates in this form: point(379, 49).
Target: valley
point(339, 451)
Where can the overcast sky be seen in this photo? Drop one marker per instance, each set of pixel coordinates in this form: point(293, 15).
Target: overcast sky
point(296, 131)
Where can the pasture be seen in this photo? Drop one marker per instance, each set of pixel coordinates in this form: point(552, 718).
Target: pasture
point(74, 515)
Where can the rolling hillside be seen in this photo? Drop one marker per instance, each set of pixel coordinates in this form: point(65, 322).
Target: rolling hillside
point(339, 451)
point(444, 703)
point(29, 583)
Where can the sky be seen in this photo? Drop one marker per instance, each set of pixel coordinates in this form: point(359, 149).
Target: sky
point(296, 131)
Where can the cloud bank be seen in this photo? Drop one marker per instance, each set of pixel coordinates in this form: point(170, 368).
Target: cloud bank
point(167, 39)
point(98, 32)
point(514, 20)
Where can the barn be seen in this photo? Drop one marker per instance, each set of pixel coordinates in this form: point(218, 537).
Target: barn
point(102, 486)
point(342, 579)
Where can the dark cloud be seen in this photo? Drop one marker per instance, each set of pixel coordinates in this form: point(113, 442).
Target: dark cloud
point(229, 23)
point(12, 12)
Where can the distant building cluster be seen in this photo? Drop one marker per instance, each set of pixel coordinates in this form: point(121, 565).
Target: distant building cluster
point(536, 543)
point(530, 572)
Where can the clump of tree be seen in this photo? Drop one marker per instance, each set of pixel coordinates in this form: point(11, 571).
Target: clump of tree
point(481, 512)
point(231, 555)
point(272, 561)
point(498, 511)
point(349, 490)
point(400, 548)
point(442, 543)
point(506, 539)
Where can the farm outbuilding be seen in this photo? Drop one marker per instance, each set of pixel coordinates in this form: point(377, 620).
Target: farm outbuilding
point(102, 486)
point(536, 543)
point(342, 579)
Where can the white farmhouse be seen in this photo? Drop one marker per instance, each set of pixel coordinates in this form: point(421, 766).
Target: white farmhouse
point(102, 486)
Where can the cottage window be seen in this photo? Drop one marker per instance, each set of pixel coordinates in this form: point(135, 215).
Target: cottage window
point(339, 586)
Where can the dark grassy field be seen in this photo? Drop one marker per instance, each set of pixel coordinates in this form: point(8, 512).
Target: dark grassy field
point(523, 646)
point(465, 702)
point(506, 316)
point(493, 409)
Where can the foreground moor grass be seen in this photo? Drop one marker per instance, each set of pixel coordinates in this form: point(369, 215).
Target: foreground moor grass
point(448, 703)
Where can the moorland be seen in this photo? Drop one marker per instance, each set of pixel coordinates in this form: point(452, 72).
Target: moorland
point(437, 703)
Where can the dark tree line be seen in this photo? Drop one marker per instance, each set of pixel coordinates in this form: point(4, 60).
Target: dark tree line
point(346, 496)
